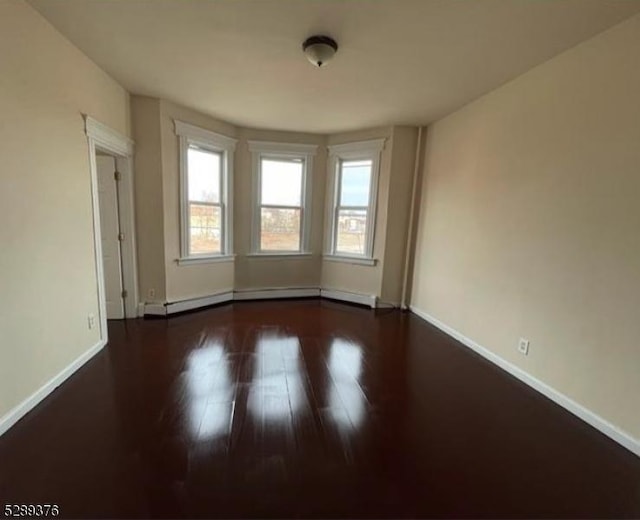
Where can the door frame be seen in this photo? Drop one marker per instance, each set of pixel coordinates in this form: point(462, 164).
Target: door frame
point(101, 137)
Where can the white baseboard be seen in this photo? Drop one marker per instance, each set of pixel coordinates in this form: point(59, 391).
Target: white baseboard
point(276, 293)
point(610, 430)
point(382, 304)
point(18, 412)
point(155, 309)
point(166, 309)
point(363, 299)
point(195, 303)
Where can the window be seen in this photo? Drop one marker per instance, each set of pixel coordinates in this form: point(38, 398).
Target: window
point(355, 181)
point(351, 212)
point(282, 194)
point(205, 207)
point(206, 160)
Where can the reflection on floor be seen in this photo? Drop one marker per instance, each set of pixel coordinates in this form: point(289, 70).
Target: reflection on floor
point(306, 409)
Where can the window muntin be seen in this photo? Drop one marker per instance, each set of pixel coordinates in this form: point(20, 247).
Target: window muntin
point(281, 204)
point(352, 212)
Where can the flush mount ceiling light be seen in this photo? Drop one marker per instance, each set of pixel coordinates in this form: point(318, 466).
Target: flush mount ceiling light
point(319, 49)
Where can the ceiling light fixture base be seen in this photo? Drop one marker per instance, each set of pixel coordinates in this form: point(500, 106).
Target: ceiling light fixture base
point(319, 49)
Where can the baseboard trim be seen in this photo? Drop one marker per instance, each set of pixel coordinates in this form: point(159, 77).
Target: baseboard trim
point(155, 309)
point(368, 300)
point(18, 412)
point(276, 293)
point(610, 430)
point(196, 303)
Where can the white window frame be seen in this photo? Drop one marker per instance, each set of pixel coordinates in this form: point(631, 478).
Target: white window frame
point(357, 151)
point(225, 146)
point(282, 151)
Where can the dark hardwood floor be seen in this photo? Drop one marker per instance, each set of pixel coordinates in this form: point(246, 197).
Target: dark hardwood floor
point(306, 409)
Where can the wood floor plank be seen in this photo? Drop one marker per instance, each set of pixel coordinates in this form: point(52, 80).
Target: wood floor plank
point(311, 409)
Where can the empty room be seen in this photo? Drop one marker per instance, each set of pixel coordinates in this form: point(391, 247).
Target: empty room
point(320, 259)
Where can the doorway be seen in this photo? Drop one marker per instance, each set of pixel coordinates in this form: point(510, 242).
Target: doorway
point(111, 235)
point(112, 195)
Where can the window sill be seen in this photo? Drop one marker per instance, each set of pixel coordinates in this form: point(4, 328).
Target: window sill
point(192, 260)
point(351, 260)
point(283, 255)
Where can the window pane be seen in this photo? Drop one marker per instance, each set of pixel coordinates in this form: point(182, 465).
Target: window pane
point(205, 229)
point(204, 175)
point(356, 179)
point(281, 182)
point(280, 229)
point(351, 231)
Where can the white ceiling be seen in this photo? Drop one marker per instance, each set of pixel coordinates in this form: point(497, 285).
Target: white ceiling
point(399, 61)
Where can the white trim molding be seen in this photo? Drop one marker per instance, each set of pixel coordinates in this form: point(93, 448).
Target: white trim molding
point(357, 149)
point(599, 423)
point(196, 303)
point(294, 149)
point(225, 296)
point(271, 293)
point(276, 293)
point(357, 260)
point(106, 137)
point(19, 411)
point(280, 256)
point(190, 260)
point(196, 133)
point(368, 300)
point(155, 309)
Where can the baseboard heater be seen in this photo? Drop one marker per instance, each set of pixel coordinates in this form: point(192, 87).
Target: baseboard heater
point(169, 308)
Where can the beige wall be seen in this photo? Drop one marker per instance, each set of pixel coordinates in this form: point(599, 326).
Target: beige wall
point(530, 223)
point(145, 115)
point(404, 140)
point(47, 272)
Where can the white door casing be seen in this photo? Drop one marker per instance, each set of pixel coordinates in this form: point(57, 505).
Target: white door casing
point(101, 138)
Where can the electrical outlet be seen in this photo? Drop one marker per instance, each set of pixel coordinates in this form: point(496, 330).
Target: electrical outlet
point(523, 346)
point(91, 321)
point(152, 293)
